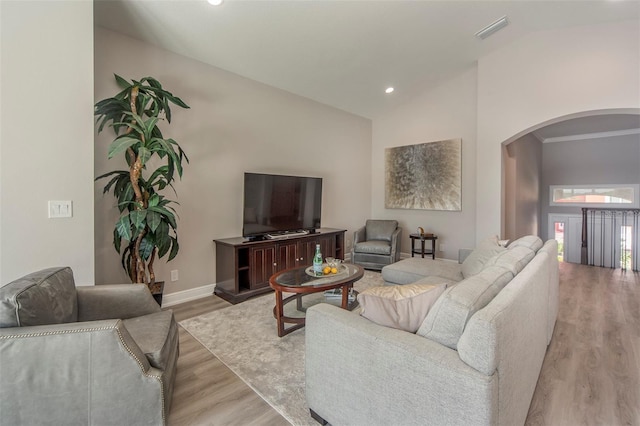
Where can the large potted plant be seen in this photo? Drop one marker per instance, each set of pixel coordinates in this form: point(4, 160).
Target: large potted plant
point(147, 227)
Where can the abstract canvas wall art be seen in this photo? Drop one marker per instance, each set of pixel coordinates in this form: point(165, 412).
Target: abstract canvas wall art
point(425, 176)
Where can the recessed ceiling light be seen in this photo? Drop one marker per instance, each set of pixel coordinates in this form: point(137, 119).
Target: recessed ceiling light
point(215, 2)
point(389, 90)
point(492, 28)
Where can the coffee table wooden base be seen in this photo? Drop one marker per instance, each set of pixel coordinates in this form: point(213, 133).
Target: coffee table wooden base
point(282, 319)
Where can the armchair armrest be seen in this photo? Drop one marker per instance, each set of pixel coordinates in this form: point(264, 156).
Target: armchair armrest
point(115, 301)
point(68, 371)
point(359, 235)
point(358, 372)
point(396, 240)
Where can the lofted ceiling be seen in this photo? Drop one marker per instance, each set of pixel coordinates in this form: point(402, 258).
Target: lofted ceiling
point(345, 53)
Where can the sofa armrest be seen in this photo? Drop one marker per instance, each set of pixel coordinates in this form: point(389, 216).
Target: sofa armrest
point(115, 301)
point(463, 254)
point(76, 373)
point(358, 372)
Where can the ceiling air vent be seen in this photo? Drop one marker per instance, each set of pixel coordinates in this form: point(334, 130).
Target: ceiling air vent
point(492, 28)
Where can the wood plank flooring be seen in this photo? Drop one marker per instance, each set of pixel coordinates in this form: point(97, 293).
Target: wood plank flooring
point(590, 375)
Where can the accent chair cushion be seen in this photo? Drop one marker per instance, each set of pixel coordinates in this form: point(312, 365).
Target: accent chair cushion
point(446, 321)
point(475, 262)
point(40, 298)
point(156, 334)
point(373, 247)
point(380, 229)
point(401, 306)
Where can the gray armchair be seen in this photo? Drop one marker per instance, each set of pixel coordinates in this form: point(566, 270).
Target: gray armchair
point(377, 244)
point(87, 355)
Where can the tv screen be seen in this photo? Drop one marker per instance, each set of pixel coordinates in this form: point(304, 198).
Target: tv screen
point(275, 204)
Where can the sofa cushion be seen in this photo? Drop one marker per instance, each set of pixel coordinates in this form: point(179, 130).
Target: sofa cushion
point(530, 241)
point(380, 229)
point(445, 322)
point(44, 297)
point(401, 306)
point(156, 334)
point(514, 259)
point(475, 262)
point(410, 270)
point(373, 247)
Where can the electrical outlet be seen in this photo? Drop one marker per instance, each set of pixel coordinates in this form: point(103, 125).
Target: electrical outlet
point(442, 247)
point(174, 275)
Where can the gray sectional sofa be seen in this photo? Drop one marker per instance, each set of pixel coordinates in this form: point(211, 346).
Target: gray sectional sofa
point(475, 359)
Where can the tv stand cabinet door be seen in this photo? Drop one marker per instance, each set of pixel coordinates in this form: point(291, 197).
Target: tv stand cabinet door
point(287, 255)
point(263, 265)
point(307, 250)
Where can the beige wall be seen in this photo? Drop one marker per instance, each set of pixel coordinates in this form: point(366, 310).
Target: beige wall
point(447, 112)
point(541, 78)
point(234, 125)
point(46, 133)
point(522, 174)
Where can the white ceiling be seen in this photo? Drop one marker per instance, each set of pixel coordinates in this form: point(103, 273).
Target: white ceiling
point(345, 53)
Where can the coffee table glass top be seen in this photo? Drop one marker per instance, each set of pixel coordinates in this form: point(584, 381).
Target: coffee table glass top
point(299, 277)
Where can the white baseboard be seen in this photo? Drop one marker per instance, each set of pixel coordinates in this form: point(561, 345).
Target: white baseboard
point(187, 295)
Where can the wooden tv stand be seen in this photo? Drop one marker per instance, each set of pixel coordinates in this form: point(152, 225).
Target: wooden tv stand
point(243, 267)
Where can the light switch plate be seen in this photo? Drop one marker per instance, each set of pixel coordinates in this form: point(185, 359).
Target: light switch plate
point(58, 209)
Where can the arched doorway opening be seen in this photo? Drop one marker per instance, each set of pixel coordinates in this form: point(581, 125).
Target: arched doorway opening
point(585, 148)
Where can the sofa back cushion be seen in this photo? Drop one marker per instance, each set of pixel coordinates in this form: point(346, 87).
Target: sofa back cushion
point(40, 298)
point(513, 260)
point(380, 229)
point(475, 261)
point(530, 241)
point(446, 321)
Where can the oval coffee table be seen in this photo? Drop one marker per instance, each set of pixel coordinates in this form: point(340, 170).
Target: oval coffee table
point(300, 281)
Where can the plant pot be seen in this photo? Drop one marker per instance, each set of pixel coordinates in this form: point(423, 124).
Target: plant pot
point(156, 290)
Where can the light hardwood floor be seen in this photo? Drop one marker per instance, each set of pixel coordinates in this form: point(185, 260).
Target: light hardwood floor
point(590, 375)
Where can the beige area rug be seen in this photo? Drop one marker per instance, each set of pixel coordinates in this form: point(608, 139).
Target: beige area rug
point(244, 337)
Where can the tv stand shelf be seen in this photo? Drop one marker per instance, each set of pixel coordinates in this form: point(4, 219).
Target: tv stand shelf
point(243, 267)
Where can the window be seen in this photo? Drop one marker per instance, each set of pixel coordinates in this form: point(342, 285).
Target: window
point(595, 195)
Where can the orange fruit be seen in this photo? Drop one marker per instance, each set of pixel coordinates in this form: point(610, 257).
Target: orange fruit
point(326, 270)
point(334, 270)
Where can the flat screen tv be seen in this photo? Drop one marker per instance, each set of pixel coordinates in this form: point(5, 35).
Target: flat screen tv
point(277, 204)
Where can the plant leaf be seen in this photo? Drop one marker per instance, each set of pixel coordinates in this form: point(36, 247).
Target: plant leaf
point(122, 82)
point(154, 200)
point(162, 239)
point(144, 154)
point(137, 218)
point(121, 144)
point(146, 247)
point(167, 215)
point(123, 226)
point(174, 249)
point(153, 220)
point(117, 240)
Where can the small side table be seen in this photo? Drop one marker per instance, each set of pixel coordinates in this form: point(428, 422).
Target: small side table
point(422, 250)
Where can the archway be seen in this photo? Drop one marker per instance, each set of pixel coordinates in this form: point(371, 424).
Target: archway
point(524, 184)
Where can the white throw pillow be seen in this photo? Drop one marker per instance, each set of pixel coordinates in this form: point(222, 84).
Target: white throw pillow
point(400, 306)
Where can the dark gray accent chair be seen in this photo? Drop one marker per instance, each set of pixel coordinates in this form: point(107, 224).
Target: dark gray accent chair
point(94, 355)
point(376, 244)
